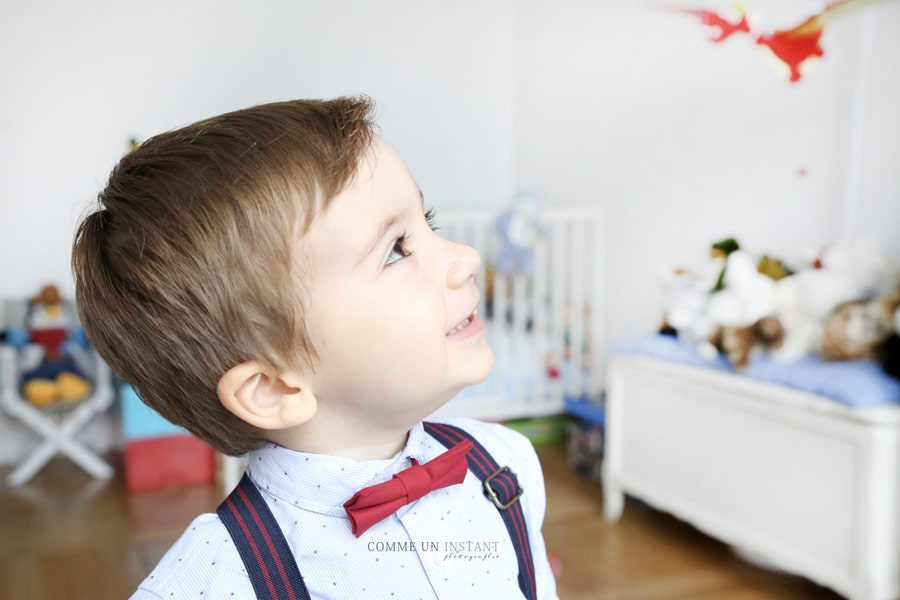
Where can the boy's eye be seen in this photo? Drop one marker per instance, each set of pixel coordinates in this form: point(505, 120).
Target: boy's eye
point(398, 252)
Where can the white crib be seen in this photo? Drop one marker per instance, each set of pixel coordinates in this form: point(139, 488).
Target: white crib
point(546, 328)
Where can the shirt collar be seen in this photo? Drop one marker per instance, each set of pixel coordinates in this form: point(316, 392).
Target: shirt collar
point(321, 482)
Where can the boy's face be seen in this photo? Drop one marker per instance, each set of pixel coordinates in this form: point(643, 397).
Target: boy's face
point(391, 307)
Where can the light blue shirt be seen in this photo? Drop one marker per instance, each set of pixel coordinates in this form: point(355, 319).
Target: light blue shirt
point(449, 545)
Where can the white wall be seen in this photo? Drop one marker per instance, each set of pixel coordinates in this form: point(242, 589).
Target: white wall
point(686, 142)
point(874, 184)
point(81, 78)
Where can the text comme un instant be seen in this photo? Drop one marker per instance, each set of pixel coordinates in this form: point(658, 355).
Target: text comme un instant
point(453, 547)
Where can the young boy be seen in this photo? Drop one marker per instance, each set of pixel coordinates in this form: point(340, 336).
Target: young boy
point(269, 280)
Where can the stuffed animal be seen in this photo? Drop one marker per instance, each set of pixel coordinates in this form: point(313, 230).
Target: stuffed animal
point(773, 268)
point(862, 264)
point(686, 297)
point(722, 250)
point(746, 295)
point(47, 322)
point(519, 228)
point(67, 388)
point(858, 329)
point(54, 374)
point(739, 343)
point(841, 273)
point(803, 302)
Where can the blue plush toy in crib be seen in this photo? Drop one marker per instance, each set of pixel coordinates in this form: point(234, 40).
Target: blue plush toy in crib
point(520, 228)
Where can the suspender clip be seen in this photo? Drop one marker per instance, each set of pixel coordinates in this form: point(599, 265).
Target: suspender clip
point(495, 496)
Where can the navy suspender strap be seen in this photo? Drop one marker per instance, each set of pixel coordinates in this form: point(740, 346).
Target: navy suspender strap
point(272, 568)
point(502, 488)
point(258, 538)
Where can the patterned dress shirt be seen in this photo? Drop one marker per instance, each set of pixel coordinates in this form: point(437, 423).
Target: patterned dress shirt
point(449, 545)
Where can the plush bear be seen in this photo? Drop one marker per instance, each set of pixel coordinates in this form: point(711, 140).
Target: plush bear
point(803, 302)
point(741, 308)
point(843, 272)
point(858, 329)
point(739, 343)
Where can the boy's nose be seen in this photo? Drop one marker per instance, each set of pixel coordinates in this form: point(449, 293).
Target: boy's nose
point(464, 263)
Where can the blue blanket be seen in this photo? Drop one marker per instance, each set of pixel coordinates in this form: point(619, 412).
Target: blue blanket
point(856, 383)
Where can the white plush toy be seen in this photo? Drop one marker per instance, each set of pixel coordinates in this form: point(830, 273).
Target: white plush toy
point(685, 299)
point(845, 271)
point(698, 308)
point(747, 297)
point(863, 265)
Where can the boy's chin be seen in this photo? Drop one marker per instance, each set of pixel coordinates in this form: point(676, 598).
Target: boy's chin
point(482, 369)
point(475, 375)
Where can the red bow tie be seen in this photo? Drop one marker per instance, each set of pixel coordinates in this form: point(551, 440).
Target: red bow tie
point(374, 503)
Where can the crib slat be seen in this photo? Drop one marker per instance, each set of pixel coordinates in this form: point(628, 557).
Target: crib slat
point(520, 345)
point(597, 305)
point(500, 333)
point(558, 294)
point(578, 251)
point(539, 327)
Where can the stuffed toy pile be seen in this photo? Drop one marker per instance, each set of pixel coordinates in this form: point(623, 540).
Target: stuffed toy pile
point(842, 303)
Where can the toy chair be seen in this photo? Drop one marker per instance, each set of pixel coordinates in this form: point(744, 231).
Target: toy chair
point(57, 428)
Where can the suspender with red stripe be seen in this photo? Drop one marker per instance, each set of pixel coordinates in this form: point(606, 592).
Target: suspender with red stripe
point(502, 487)
point(272, 568)
point(258, 538)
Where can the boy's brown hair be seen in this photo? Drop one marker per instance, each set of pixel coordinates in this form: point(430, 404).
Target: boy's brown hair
point(187, 266)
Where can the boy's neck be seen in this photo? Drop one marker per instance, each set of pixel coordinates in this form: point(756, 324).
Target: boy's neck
point(379, 445)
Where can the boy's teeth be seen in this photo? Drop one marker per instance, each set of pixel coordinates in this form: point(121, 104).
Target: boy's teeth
point(460, 326)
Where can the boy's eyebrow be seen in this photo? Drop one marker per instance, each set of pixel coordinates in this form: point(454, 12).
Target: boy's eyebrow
point(387, 225)
point(382, 231)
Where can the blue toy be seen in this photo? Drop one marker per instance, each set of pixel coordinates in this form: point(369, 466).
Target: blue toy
point(520, 227)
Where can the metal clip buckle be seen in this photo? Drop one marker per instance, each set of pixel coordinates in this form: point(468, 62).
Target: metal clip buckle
point(493, 494)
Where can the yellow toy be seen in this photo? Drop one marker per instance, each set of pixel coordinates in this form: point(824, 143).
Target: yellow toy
point(67, 388)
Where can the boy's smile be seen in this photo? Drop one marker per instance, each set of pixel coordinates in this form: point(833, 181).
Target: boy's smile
point(391, 307)
point(471, 325)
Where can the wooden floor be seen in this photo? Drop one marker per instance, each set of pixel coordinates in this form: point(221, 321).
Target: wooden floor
point(647, 555)
point(64, 536)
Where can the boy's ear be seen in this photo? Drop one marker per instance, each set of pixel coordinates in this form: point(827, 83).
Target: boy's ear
point(257, 394)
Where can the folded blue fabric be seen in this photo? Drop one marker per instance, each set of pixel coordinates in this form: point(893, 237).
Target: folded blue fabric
point(856, 383)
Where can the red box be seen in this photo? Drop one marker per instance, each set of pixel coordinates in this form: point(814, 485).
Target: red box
point(155, 463)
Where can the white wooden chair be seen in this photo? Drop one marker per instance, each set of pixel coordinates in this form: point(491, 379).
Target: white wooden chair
point(57, 429)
